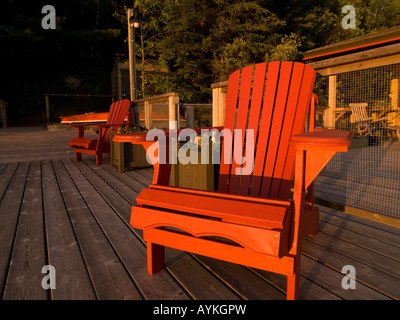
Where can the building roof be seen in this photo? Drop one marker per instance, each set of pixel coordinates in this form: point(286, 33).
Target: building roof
point(369, 41)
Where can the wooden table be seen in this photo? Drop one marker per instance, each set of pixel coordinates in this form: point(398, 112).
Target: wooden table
point(87, 118)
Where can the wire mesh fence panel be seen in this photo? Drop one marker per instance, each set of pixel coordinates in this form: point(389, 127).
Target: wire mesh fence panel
point(368, 175)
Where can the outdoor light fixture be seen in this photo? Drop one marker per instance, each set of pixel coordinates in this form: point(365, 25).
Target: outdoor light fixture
point(135, 22)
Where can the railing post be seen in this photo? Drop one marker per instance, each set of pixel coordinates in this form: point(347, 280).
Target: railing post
point(393, 119)
point(190, 118)
point(329, 114)
point(148, 115)
point(173, 106)
point(47, 109)
point(219, 91)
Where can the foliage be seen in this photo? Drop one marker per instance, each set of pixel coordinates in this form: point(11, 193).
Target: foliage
point(243, 33)
point(36, 61)
point(183, 46)
point(287, 50)
point(132, 129)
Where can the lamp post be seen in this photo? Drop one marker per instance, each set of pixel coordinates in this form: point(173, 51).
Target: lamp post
point(133, 24)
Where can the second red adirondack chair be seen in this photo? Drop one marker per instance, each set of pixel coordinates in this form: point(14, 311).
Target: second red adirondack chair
point(97, 147)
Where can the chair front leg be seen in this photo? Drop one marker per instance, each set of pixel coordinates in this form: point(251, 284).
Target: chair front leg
point(155, 257)
point(293, 281)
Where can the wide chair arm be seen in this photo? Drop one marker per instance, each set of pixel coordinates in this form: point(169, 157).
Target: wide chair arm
point(318, 147)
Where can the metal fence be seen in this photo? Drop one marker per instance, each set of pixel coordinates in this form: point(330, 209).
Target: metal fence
point(367, 177)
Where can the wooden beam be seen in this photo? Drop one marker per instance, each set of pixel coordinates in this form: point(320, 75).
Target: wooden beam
point(374, 39)
point(360, 65)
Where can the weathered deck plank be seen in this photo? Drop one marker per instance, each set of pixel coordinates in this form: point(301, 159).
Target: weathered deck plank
point(10, 209)
point(29, 252)
point(109, 278)
point(6, 177)
point(72, 278)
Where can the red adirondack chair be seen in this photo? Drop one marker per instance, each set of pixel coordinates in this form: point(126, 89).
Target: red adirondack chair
point(116, 116)
point(262, 222)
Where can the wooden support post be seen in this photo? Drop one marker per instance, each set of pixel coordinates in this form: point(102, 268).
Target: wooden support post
point(173, 108)
point(329, 114)
point(215, 107)
point(190, 118)
point(218, 105)
point(394, 102)
point(3, 113)
point(148, 114)
point(47, 109)
point(222, 98)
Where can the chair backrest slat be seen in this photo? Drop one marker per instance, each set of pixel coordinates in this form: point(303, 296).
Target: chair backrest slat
point(279, 103)
point(240, 127)
point(303, 105)
point(116, 115)
point(254, 119)
point(230, 117)
point(276, 127)
point(286, 132)
point(265, 126)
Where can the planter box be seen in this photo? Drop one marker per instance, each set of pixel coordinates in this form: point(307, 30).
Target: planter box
point(194, 176)
point(127, 156)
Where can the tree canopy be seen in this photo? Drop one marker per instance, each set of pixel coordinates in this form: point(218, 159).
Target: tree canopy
point(194, 43)
point(185, 45)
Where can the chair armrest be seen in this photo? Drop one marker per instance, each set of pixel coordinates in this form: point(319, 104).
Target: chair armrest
point(325, 139)
point(106, 125)
point(317, 148)
point(140, 137)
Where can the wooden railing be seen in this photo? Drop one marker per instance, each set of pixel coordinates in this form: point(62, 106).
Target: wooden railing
point(219, 91)
point(191, 112)
point(172, 98)
point(150, 118)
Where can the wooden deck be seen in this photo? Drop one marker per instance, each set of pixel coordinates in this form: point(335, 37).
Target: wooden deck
point(75, 217)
